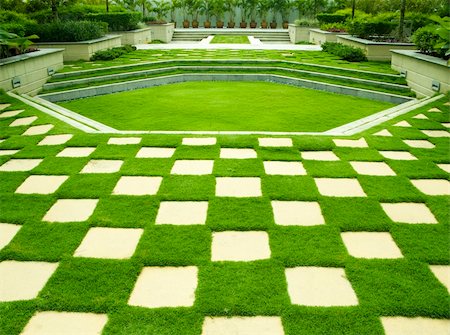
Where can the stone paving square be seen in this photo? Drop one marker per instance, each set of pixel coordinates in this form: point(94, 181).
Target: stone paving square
point(124, 140)
point(371, 245)
point(284, 168)
point(372, 168)
point(41, 184)
point(361, 143)
point(102, 166)
point(402, 124)
point(199, 141)
point(237, 153)
point(434, 110)
point(297, 213)
point(71, 210)
point(420, 144)
point(23, 280)
point(182, 212)
point(20, 165)
point(319, 286)
point(339, 187)
point(55, 139)
point(398, 155)
point(432, 186)
point(238, 325)
point(25, 121)
point(319, 156)
point(442, 273)
point(137, 185)
point(275, 142)
point(445, 167)
point(399, 325)
point(110, 243)
point(10, 113)
point(436, 133)
point(239, 187)
point(165, 287)
point(7, 233)
point(8, 152)
point(153, 152)
point(240, 246)
point(383, 132)
point(38, 130)
point(409, 212)
point(67, 323)
point(420, 117)
point(192, 167)
point(76, 152)
point(3, 106)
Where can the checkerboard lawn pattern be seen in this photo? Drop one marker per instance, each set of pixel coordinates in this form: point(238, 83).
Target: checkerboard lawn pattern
point(229, 235)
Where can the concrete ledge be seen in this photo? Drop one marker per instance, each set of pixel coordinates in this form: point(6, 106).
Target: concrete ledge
point(137, 36)
point(298, 33)
point(162, 32)
point(318, 36)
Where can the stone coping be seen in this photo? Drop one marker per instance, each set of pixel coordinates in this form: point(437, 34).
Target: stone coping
point(30, 55)
point(418, 55)
point(131, 31)
point(101, 39)
point(318, 30)
point(369, 42)
point(297, 26)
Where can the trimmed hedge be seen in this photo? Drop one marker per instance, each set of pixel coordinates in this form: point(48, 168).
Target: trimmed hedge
point(374, 26)
point(345, 52)
point(69, 31)
point(331, 18)
point(117, 21)
point(14, 22)
point(113, 53)
point(427, 40)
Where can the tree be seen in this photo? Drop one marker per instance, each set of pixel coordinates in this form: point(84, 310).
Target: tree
point(402, 20)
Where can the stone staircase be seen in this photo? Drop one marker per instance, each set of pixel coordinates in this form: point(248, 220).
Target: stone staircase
point(265, 35)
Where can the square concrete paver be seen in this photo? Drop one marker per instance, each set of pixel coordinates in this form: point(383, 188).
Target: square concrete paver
point(402, 124)
point(432, 186)
point(192, 167)
point(113, 243)
point(373, 168)
point(165, 287)
point(8, 152)
point(41, 184)
point(297, 213)
point(23, 280)
point(398, 155)
point(284, 168)
point(275, 142)
point(25, 121)
point(3, 106)
point(421, 144)
point(182, 212)
point(20, 165)
point(237, 153)
point(446, 124)
point(7, 233)
point(154, 152)
point(137, 185)
point(71, 210)
point(10, 113)
point(339, 187)
point(240, 246)
point(55, 139)
point(399, 325)
point(76, 152)
point(361, 143)
point(383, 132)
point(434, 110)
point(67, 323)
point(436, 133)
point(445, 167)
point(409, 212)
point(238, 325)
point(124, 140)
point(38, 130)
point(420, 117)
point(239, 187)
point(102, 166)
point(371, 245)
point(319, 156)
point(199, 141)
point(442, 273)
point(318, 286)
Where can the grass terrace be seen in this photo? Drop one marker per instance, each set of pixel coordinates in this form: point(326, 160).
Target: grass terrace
point(230, 39)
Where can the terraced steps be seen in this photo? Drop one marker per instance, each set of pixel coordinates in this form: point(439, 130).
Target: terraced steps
point(265, 35)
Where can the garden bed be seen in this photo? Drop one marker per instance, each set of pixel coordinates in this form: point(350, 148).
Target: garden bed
point(137, 36)
point(298, 33)
point(162, 31)
point(318, 36)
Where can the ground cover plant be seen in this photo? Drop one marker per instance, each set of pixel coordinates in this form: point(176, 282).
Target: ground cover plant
point(396, 280)
point(227, 39)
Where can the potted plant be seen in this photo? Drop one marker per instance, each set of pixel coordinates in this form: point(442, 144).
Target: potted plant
point(251, 5)
point(244, 13)
point(185, 6)
point(161, 8)
point(173, 8)
point(263, 8)
point(273, 6)
point(218, 8)
point(204, 8)
point(284, 7)
point(193, 11)
point(230, 8)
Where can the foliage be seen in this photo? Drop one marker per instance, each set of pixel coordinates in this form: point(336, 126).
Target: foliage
point(306, 23)
point(331, 18)
point(69, 31)
point(13, 44)
point(366, 27)
point(439, 7)
point(204, 8)
point(334, 27)
point(14, 22)
point(262, 8)
point(434, 39)
point(218, 9)
point(309, 8)
point(118, 21)
point(113, 53)
point(161, 9)
point(280, 6)
point(230, 8)
point(346, 52)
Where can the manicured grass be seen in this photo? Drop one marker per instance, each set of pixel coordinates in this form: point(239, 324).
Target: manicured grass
point(225, 106)
point(227, 39)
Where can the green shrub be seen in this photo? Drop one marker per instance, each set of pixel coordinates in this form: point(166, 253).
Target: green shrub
point(428, 41)
point(377, 26)
point(345, 52)
point(117, 21)
point(68, 31)
point(334, 27)
point(306, 23)
point(14, 22)
point(113, 53)
point(331, 18)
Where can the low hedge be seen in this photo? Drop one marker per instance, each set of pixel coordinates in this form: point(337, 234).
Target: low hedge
point(113, 53)
point(371, 26)
point(345, 52)
point(14, 23)
point(68, 31)
point(428, 41)
point(117, 21)
point(331, 18)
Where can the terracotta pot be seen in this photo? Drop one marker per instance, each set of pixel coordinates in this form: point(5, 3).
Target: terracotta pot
point(264, 24)
point(186, 24)
point(207, 24)
point(285, 24)
point(253, 24)
point(194, 24)
point(219, 24)
point(273, 25)
point(231, 24)
point(243, 25)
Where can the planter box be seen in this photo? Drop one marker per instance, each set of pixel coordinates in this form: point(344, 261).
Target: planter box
point(379, 51)
point(85, 49)
point(422, 72)
point(29, 71)
point(162, 32)
point(133, 37)
point(317, 36)
point(298, 33)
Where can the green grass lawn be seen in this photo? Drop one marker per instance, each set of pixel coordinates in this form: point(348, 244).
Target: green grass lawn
point(227, 39)
point(237, 106)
